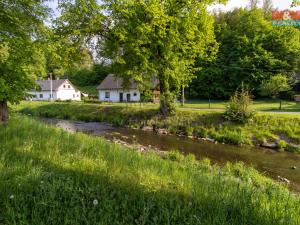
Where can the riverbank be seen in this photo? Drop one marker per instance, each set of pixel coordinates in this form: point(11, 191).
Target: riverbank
point(274, 131)
point(50, 176)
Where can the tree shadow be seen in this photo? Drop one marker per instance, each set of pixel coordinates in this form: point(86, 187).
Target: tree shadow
point(50, 194)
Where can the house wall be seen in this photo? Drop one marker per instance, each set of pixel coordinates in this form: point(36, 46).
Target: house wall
point(45, 95)
point(114, 95)
point(68, 95)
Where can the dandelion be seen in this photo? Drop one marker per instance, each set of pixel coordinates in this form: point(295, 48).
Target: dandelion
point(95, 202)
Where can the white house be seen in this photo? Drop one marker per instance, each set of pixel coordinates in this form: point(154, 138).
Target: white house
point(111, 90)
point(61, 90)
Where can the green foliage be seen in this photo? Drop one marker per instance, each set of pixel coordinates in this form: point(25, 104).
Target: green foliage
point(238, 108)
point(63, 178)
point(147, 38)
point(89, 76)
point(293, 148)
point(275, 85)
point(167, 104)
point(21, 57)
point(250, 50)
point(282, 144)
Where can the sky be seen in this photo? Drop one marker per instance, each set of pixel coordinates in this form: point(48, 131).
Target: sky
point(278, 4)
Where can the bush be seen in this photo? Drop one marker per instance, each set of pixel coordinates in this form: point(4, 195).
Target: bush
point(282, 144)
point(94, 101)
point(238, 108)
point(292, 148)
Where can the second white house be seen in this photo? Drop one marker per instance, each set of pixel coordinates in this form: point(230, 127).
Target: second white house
point(111, 90)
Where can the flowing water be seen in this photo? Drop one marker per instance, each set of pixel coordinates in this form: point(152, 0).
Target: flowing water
point(268, 162)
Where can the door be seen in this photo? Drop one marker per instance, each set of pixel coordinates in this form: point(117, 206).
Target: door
point(128, 97)
point(121, 97)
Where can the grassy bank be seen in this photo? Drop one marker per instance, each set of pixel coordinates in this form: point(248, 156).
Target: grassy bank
point(264, 128)
point(49, 176)
point(259, 105)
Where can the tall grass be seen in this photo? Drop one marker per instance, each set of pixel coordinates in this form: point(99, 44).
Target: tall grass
point(49, 176)
point(192, 123)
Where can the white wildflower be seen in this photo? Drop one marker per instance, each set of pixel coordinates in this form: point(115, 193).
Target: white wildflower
point(12, 197)
point(95, 202)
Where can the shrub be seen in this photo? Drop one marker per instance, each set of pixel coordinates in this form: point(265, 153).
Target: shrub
point(282, 144)
point(293, 148)
point(175, 156)
point(238, 108)
point(200, 132)
point(92, 101)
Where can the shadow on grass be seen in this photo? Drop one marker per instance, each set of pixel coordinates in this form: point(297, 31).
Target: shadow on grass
point(56, 195)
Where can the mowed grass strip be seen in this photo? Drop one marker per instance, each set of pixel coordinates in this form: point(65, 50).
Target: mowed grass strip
point(49, 176)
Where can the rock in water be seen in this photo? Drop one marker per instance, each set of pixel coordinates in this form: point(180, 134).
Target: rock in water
point(284, 180)
point(270, 145)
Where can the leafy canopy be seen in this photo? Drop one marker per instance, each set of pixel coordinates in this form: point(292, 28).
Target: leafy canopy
point(251, 50)
point(275, 85)
point(144, 39)
point(21, 57)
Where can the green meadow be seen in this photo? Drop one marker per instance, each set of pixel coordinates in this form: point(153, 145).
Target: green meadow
point(49, 176)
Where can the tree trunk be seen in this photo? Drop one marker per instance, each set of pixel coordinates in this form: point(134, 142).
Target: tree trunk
point(3, 112)
point(280, 104)
point(182, 96)
point(166, 99)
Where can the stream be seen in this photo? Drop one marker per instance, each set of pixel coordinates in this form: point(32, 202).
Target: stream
point(268, 162)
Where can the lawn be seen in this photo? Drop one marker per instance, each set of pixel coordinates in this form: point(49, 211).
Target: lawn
point(196, 123)
point(259, 105)
point(49, 176)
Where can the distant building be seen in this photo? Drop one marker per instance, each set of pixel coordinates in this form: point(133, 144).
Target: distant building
point(111, 90)
point(61, 90)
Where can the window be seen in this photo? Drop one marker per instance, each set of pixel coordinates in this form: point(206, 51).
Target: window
point(41, 95)
point(107, 94)
point(64, 86)
point(50, 95)
point(134, 94)
point(77, 95)
point(73, 95)
point(69, 86)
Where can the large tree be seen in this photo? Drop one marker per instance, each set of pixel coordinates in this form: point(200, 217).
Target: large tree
point(20, 56)
point(159, 38)
point(146, 38)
